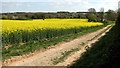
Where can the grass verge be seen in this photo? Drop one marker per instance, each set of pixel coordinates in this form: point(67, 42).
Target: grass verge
point(64, 55)
point(100, 33)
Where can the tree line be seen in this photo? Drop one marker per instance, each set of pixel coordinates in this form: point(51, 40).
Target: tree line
point(20, 16)
point(91, 15)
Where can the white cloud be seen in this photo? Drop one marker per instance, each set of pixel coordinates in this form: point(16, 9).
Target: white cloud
point(82, 5)
point(108, 4)
point(40, 0)
point(61, 5)
point(17, 4)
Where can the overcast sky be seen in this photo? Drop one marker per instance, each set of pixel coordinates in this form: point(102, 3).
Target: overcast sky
point(56, 5)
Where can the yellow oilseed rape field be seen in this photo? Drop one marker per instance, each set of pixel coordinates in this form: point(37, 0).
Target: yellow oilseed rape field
point(16, 31)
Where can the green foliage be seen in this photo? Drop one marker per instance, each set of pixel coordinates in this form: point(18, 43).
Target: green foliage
point(4, 17)
point(38, 16)
point(92, 17)
point(60, 15)
point(21, 18)
point(118, 20)
point(105, 53)
point(110, 15)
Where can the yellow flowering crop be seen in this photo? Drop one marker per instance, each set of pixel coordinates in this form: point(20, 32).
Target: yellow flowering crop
point(38, 27)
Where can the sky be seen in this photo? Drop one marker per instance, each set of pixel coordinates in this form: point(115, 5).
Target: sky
point(56, 5)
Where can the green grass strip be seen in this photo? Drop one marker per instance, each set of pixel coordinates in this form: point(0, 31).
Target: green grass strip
point(100, 33)
point(64, 55)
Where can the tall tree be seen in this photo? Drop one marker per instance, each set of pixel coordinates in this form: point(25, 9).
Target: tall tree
point(101, 14)
point(92, 10)
point(111, 15)
point(92, 17)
